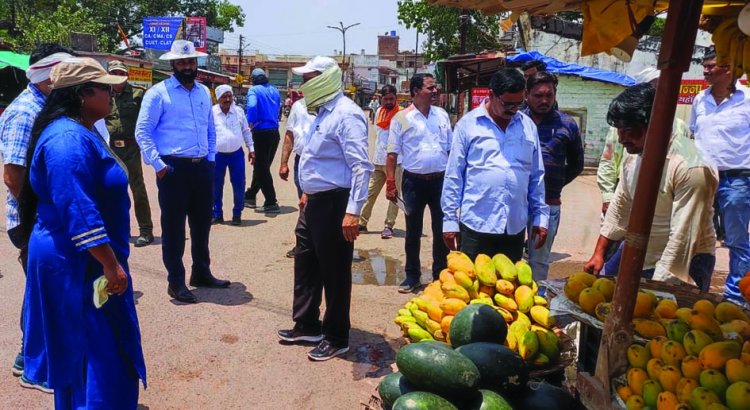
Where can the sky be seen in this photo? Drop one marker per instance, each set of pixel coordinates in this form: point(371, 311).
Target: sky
point(299, 27)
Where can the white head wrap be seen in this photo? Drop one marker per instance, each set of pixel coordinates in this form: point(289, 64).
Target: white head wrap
point(40, 71)
point(224, 88)
point(647, 75)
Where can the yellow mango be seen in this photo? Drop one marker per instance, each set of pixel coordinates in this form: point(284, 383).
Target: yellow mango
point(638, 356)
point(399, 320)
point(672, 353)
point(421, 317)
point(624, 392)
point(505, 302)
point(459, 261)
point(704, 306)
point(446, 276)
point(573, 289)
point(511, 342)
point(651, 390)
point(540, 360)
point(648, 329)
point(418, 334)
point(656, 345)
point(653, 368)
point(589, 298)
point(505, 314)
point(701, 321)
point(434, 311)
point(453, 290)
point(487, 290)
point(445, 323)
point(524, 297)
point(667, 401)
point(521, 317)
point(737, 371)
point(745, 358)
point(463, 279)
point(685, 388)
point(505, 287)
point(738, 396)
point(524, 273)
point(606, 287)
point(737, 326)
point(669, 376)
point(715, 355)
point(717, 406)
point(746, 347)
point(602, 310)
point(636, 377)
point(683, 314)
point(691, 367)
point(539, 300)
point(584, 277)
point(518, 329)
point(541, 315)
point(728, 311)
point(439, 336)
point(483, 301)
point(695, 340)
point(451, 306)
point(666, 309)
point(432, 326)
point(644, 305)
point(485, 270)
point(548, 343)
point(505, 267)
point(714, 380)
point(635, 402)
point(404, 312)
point(528, 345)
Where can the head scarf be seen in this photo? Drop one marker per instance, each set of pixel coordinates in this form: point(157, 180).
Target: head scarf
point(322, 88)
point(40, 71)
point(222, 89)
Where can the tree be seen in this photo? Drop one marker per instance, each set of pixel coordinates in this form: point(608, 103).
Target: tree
point(441, 24)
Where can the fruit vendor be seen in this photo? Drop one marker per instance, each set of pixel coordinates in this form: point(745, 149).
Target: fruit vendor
point(682, 240)
point(334, 171)
point(495, 176)
point(720, 122)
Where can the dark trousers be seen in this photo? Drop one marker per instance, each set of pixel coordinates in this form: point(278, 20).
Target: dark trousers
point(131, 156)
point(473, 243)
point(419, 193)
point(323, 261)
point(296, 176)
point(14, 234)
point(266, 142)
point(235, 161)
point(186, 191)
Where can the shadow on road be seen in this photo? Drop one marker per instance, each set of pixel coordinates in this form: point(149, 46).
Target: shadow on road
point(554, 256)
point(236, 294)
point(371, 354)
point(157, 240)
point(284, 210)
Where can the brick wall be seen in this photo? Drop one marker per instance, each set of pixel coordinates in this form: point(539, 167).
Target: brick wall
point(388, 47)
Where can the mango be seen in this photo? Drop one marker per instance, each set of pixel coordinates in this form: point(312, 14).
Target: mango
point(548, 343)
point(644, 305)
point(672, 353)
point(445, 324)
point(666, 401)
point(705, 323)
point(656, 345)
point(454, 290)
point(528, 345)
point(523, 318)
point(524, 297)
point(505, 287)
point(417, 334)
point(683, 314)
point(717, 406)
point(505, 314)
point(485, 270)
point(737, 371)
point(511, 342)
point(584, 277)
point(676, 330)
point(669, 376)
point(433, 291)
point(685, 388)
point(404, 312)
point(439, 336)
point(737, 326)
point(505, 267)
point(505, 302)
point(666, 309)
point(694, 341)
point(573, 288)
point(474, 291)
point(704, 306)
point(434, 311)
point(714, 380)
point(589, 298)
point(399, 320)
point(518, 329)
point(534, 287)
point(738, 396)
point(648, 329)
point(539, 300)
point(653, 368)
point(746, 347)
point(451, 306)
point(489, 291)
point(728, 311)
point(636, 377)
point(446, 276)
point(715, 355)
point(638, 356)
point(602, 310)
point(432, 326)
point(606, 287)
point(624, 392)
point(745, 358)
point(463, 279)
point(541, 315)
point(691, 367)
point(540, 360)
point(459, 261)
point(702, 397)
point(651, 390)
point(635, 402)
point(483, 301)
point(524, 273)
point(421, 317)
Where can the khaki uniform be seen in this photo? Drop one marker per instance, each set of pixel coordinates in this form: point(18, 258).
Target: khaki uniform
point(121, 127)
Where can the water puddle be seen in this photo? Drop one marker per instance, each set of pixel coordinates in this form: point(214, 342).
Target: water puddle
point(371, 267)
point(373, 360)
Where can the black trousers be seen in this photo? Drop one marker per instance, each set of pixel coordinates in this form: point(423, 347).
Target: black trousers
point(323, 261)
point(14, 234)
point(473, 243)
point(186, 192)
point(418, 194)
point(266, 142)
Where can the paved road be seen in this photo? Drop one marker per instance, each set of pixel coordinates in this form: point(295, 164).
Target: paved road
point(223, 352)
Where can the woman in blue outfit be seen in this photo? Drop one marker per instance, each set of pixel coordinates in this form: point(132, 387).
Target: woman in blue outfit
point(75, 215)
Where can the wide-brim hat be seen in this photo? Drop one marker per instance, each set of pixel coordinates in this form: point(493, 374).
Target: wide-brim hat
point(319, 64)
point(81, 70)
point(182, 49)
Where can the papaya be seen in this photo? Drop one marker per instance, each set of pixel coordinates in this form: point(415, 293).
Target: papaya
point(666, 309)
point(528, 345)
point(602, 310)
point(624, 392)
point(676, 330)
point(524, 273)
point(717, 406)
point(451, 306)
point(691, 367)
point(636, 377)
point(656, 344)
point(685, 388)
point(669, 376)
point(704, 306)
point(648, 329)
point(505, 287)
point(738, 396)
point(651, 390)
point(715, 355)
point(638, 356)
point(744, 284)
point(454, 290)
point(505, 302)
point(672, 353)
point(644, 305)
point(534, 287)
point(728, 311)
point(524, 297)
point(589, 298)
point(653, 367)
point(539, 300)
point(702, 397)
point(445, 324)
point(434, 311)
point(683, 314)
point(635, 402)
point(485, 270)
point(606, 287)
point(737, 371)
point(705, 323)
point(714, 380)
point(694, 341)
point(459, 261)
point(447, 276)
point(573, 289)
point(463, 279)
point(474, 290)
point(584, 277)
point(505, 267)
point(666, 401)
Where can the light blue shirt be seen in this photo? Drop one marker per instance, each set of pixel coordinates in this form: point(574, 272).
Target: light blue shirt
point(494, 177)
point(175, 121)
point(263, 104)
point(421, 142)
point(334, 154)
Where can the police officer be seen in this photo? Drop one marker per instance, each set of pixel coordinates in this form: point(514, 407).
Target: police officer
point(121, 127)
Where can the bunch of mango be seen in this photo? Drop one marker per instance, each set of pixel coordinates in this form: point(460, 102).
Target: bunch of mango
point(702, 361)
point(496, 282)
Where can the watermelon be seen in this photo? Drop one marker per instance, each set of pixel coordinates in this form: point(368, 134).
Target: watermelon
point(420, 400)
point(478, 323)
point(392, 387)
point(435, 368)
point(500, 368)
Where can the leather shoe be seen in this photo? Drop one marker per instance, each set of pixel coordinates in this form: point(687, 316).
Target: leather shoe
point(208, 281)
point(182, 294)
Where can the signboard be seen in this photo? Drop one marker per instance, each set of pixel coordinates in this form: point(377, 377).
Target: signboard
point(195, 32)
point(142, 77)
point(478, 95)
point(160, 32)
point(689, 89)
point(215, 34)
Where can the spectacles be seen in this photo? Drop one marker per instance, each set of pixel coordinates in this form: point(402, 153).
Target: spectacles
point(510, 106)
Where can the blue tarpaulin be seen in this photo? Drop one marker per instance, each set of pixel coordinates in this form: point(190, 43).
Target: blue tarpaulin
point(555, 66)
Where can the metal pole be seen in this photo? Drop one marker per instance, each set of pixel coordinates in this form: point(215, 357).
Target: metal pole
point(463, 29)
point(239, 65)
point(343, 29)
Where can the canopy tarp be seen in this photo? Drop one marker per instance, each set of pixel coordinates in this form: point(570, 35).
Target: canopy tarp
point(9, 58)
point(555, 66)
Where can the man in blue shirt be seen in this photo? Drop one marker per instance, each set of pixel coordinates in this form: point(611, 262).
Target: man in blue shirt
point(562, 152)
point(176, 133)
point(495, 176)
point(263, 105)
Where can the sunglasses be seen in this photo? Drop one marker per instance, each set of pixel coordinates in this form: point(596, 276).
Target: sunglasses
point(510, 106)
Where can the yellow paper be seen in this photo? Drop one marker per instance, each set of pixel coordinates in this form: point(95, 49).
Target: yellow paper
point(100, 291)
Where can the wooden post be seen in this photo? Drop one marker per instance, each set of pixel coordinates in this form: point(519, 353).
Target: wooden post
point(674, 59)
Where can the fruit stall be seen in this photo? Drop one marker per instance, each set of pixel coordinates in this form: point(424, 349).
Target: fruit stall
point(475, 345)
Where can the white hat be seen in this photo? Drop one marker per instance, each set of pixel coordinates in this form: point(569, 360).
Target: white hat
point(647, 75)
point(223, 89)
point(181, 49)
point(319, 64)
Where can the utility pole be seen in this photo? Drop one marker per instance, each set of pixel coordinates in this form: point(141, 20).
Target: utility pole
point(343, 29)
point(239, 66)
point(463, 29)
point(416, 52)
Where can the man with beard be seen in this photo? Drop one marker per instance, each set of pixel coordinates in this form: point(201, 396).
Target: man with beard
point(562, 152)
point(176, 133)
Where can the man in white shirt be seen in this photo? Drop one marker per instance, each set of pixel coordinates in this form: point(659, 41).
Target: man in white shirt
point(421, 135)
point(231, 130)
point(720, 122)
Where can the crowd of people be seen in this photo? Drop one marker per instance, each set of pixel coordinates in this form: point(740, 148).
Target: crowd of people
point(492, 183)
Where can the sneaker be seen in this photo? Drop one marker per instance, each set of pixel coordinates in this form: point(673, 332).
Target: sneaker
point(296, 335)
point(387, 233)
point(250, 203)
point(144, 239)
point(408, 286)
point(325, 351)
point(290, 253)
point(217, 220)
point(269, 209)
point(236, 220)
point(17, 369)
point(362, 228)
point(41, 386)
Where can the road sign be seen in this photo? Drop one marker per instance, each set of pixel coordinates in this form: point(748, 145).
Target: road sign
point(160, 32)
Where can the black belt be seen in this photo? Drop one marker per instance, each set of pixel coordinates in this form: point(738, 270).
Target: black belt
point(734, 173)
point(330, 192)
point(183, 159)
point(425, 177)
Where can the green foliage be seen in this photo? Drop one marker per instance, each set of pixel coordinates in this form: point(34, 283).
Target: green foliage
point(441, 24)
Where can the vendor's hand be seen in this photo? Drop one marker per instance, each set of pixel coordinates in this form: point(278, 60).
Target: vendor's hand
point(605, 207)
point(390, 190)
point(251, 157)
point(350, 227)
point(541, 235)
point(302, 202)
point(160, 174)
point(452, 240)
point(117, 280)
point(594, 265)
point(284, 172)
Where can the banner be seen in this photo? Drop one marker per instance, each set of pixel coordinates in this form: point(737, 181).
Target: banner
point(478, 95)
point(689, 89)
point(142, 77)
point(160, 32)
point(195, 32)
